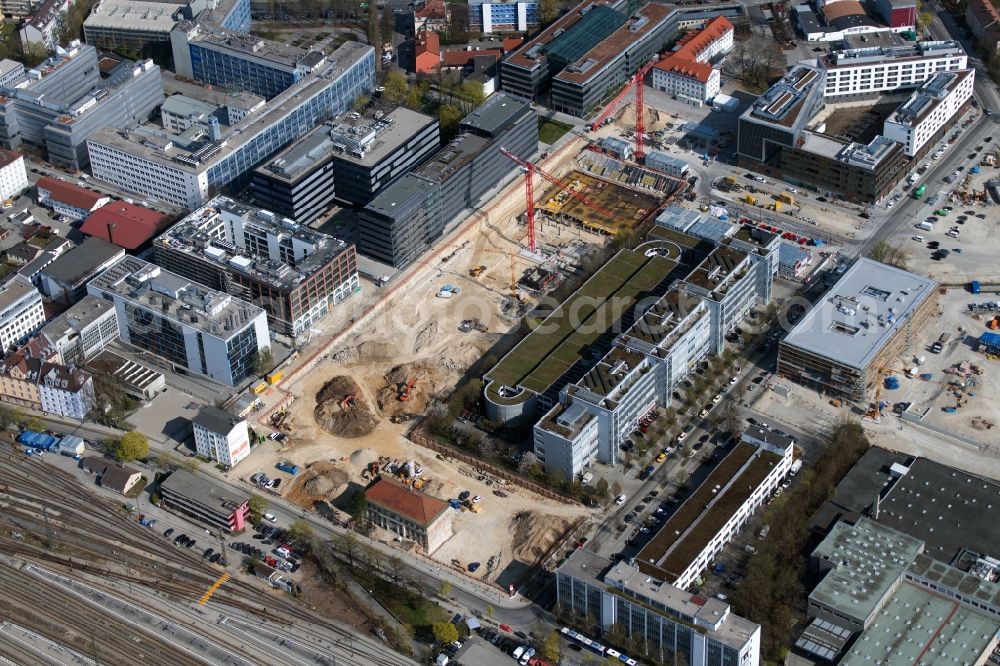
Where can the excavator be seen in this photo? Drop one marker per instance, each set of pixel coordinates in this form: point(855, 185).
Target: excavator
point(404, 393)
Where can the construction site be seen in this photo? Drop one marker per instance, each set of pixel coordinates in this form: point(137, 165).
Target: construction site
point(350, 408)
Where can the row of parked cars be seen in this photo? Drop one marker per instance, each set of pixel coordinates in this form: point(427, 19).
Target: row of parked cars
point(516, 646)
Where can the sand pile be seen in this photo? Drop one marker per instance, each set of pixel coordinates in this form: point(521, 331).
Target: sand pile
point(319, 482)
point(343, 420)
point(534, 533)
point(426, 381)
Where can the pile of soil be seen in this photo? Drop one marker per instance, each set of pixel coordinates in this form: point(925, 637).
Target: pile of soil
point(348, 422)
point(320, 481)
point(534, 533)
point(426, 380)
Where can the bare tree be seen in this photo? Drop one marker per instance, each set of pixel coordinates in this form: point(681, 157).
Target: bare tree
point(892, 255)
point(530, 463)
point(754, 59)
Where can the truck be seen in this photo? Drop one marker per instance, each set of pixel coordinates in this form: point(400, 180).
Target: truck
point(974, 287)
point(940, 343)
point(796, 467)
point(287, 467)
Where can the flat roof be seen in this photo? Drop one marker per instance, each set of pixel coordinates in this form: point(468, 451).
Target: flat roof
point(919, 627)
point(857, 491)
point(79, 315)
point(182, 105)
point(531, 54)
point(782, 103)
point(928, 97)
point(498, 112)
point(133, 15)
point(276, 53)
point(78, 264)
point(459, 152)
point(563, 340)
point(867, 559)
point(861, 313)
point(14, 290)
point(203, 490)
point(946, 508)
point(697, 521)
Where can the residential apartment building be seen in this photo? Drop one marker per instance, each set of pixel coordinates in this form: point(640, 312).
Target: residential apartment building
point(221, 436)
point(983, 19)
point(296, 274)
point(204, 500)
point(415, 516)
point(66, 100)
point(407, 217)
point(35, 377)
point(672, 624)
point(194, 328)
point(930, 110)
point(69, 200)
point(21, 312)
point(42, 27)
point(20, 369)
point(859, 72)
point(841, 345)
point(228, 58)
point(13, 175)
point(182, 169)
point(510, 16)
point(66, 391)
point(65, 279)
point(83, 331)
point(687, 72)
point(352, 158)
point(580, 61)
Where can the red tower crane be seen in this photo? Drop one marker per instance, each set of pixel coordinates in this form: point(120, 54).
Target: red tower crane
point(529, 193)
point(640, 120)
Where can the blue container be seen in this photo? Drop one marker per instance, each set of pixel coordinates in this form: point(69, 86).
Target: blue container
point(891, 383)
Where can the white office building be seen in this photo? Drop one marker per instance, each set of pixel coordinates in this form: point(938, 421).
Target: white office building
point(221, 436)
point(13, 175)
point(874, 70)
point(929, 109)
point(196, 329)
point(21, 312)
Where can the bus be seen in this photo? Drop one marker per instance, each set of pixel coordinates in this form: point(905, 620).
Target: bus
point(919, 192)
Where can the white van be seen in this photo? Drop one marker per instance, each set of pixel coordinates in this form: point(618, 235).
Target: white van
point(270, 517)
point(925, 225)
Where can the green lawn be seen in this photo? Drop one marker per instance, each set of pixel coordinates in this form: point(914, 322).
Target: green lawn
point(549, 131)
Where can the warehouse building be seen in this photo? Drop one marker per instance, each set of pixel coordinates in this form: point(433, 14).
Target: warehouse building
point(66, 100)
point(194, 328)
point(409, 215)
point(864, 322)
point(181, 169)
point(351, 158)
point(672, 624)
point(298, 275)
point(580, 61)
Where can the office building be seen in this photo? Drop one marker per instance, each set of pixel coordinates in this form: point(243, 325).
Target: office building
point(21, 311)
point(181, 169)
point(65, 279)
point(194, 328)
point(407, 217)
point(352, 158)
point(929, 112)
point(864, 322)
point(580, 61)
point(861, 70)
point(221, 436)
point(11, 73)
point(490, 17)
point(415, 516)
point(13, 175)
point(228, 58)
point(137, 26)
point(687, 72)
point(296, 274)
point(126, 225)
point(83, 331)
point(178, 113)
point(66, 100)
point(41, 29)
point(69, 200)
point(204, 500)
point(776, 119)
point(671, 624)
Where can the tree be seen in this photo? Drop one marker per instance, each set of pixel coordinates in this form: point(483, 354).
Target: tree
point(396, 88)
point(530, 464)
point(458, 23)
point(754, 59)
point(167, 461)
point(602, 487)
point(263, 361)
point(471, 95)
point(731, 421)
point(924, 20)
point(616, 489)
point(548, 11)
point(8, 416)
point(358, 506)
point(131, 446)
point(445, 588)
point(892, 255)
point(257, 505)
point(387, 24)
point(549, 649)
point(374, 38)
point(445, 632)
point(300, 530)
point(449, 117)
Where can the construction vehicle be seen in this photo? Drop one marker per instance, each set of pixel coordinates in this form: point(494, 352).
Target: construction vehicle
point(529, 192)
point(877, 407)
point(348, 402)
point(476, 271)
point(404, 392)
point(472, 506)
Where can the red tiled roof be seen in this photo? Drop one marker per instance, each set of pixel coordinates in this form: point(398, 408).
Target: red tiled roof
point(418, 507)
point(428, 42)
point(133, 225)
point(842, 8)
point(432, 9)
point(464, 58)
point(70, 194)
point(684, 60)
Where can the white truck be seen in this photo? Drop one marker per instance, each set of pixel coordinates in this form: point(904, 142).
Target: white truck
point(796, 467)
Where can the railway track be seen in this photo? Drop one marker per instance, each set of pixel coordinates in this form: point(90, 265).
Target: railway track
point(70, 530)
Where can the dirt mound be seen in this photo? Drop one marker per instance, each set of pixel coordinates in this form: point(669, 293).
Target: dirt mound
point(343, 419)
point(376, 351)
point(362, 457)
point(425, 337)
point(534, 533)
point(319, 482)
point(426, 380)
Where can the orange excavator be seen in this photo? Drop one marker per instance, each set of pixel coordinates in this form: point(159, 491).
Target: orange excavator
point(347, 402)
point(404, 393)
